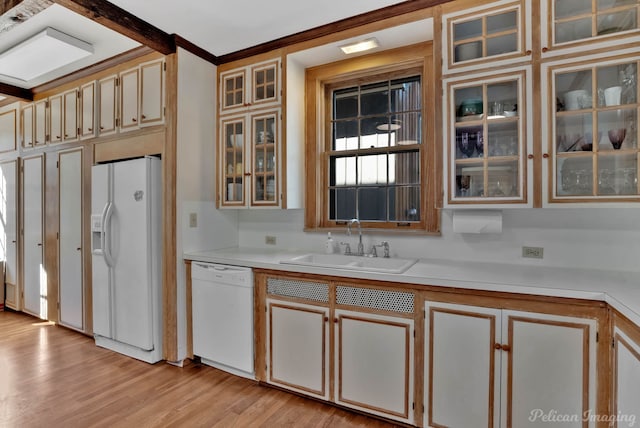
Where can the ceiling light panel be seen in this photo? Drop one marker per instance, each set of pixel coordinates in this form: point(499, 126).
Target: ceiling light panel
point(42, 53)
point(360, 46)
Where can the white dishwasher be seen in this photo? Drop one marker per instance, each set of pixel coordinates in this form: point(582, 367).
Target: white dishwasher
point(222, 305)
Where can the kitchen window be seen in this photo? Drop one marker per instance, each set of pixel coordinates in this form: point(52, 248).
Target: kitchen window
point(371, 151)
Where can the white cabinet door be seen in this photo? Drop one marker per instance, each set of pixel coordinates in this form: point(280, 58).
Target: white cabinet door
point(71, 289)
point(462, 368)
point(9, 239)
point(297, 347)
point(27, 126)
point(498, 368)
point(152, 93)
point(8, 131)
point(129, 100)
point(87, 110)
point(34, 279)
point(55, 119)
point(374, 363)
point(70, 119)
point(40, 123)
point(551, 367)
point(107, 98)
point(626, 382)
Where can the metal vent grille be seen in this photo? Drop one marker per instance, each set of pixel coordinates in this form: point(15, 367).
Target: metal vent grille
point(315, 291)
point(395, 301)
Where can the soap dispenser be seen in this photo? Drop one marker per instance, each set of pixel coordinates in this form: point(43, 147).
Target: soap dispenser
point(329, 244)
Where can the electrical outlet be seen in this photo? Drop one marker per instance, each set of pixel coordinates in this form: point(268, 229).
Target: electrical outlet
point(532, 252)
point(270, 240)
point(193, 220)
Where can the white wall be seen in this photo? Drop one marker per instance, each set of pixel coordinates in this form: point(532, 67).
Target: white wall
point(196, 162)
point(600, 238)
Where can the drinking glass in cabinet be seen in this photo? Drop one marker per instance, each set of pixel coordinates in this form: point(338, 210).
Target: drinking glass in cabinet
point(617, 85)
point(575, 133)
point(502, 139)
point(470, 180)
point(618, 174)
point(469, 142)
point(576, 20)
point(575, 176)
point(619, 128)
point(502, 179)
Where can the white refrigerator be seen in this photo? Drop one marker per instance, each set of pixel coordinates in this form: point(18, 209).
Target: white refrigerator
point(126, 244)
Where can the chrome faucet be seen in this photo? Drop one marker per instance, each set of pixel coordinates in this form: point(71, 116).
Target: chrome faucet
point(360, 251)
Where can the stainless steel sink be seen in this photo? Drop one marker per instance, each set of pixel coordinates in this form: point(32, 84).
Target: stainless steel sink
point(338, 261)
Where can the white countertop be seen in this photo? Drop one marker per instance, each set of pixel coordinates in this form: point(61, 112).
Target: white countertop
point(620, 289)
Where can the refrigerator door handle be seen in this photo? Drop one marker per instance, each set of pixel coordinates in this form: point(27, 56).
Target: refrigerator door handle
point(106, 234)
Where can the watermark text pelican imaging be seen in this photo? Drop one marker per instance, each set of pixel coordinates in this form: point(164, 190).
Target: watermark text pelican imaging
point(554, 416)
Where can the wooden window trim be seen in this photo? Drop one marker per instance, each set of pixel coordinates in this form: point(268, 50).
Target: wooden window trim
point(316, 80)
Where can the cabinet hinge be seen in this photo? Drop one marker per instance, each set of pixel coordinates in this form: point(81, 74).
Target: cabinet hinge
point(613, 343)
point(117, 122)
point(57, 235)
point(46, 104)
point(57, 164)
point(597, 336)
point(164, 111)
point(413, 405)
point(414, 333)
point(424, 313)
point(78, 95)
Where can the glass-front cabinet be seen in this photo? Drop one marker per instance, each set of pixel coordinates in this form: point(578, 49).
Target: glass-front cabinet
point(249, 160)
point(249, 87)
point(488, 139)
point(593, 130)
point(483, 35)
point(574, 23)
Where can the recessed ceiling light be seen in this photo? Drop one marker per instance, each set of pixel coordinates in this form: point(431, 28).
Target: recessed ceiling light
point(360, 46)
point(45, 51)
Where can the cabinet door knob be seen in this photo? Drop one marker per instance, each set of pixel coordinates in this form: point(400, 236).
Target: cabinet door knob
point(530, 156)
point(247, 174)
point(144, 117)
point(545, 49)
point(335, 320)
point(79, 248)
point(39, 244)
point(546, 155)
point(133, 119)
point(326, 319)
point(506, 348)
point(497, 346)
point(90, 129)
point(528, 52)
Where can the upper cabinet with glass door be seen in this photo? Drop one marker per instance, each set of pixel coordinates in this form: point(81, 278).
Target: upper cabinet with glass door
point(593, 130)
point(488, 141)
point(587, 24)
point(485, 36)
point(254, 86)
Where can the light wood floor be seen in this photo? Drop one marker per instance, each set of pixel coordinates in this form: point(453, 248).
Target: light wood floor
point(54, 377)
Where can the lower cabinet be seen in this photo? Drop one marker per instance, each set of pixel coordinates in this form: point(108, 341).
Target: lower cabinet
point(508, 363)
point(373, 363)
point(626, 376)
point(492, 367)
point(298, 347)
point(369, 351)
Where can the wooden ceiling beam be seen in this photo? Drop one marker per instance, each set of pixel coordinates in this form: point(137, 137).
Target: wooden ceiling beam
point(14, 91)
point(118, 19)
point(7, 5)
